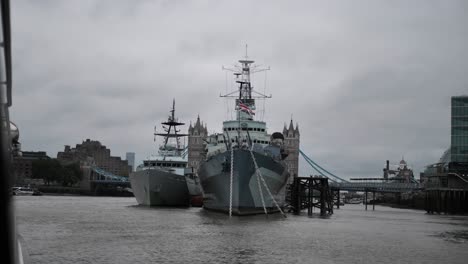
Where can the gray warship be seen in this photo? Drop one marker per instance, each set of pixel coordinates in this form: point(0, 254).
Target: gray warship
point(161, 180)
point(244, 171)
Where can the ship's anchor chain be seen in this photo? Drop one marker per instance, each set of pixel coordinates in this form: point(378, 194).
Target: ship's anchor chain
point(231, 181)
point(259, 185)
point(259, 175)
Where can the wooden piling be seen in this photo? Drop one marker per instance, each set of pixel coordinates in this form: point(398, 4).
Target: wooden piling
point(303, 195)
point(446, 201)
point(365, 199)
point(338, 199)
point(373, 201)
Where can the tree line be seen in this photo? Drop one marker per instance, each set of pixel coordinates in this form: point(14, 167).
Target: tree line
point(52, 171)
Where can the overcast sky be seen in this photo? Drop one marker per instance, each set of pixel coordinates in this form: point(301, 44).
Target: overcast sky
point(367, 81)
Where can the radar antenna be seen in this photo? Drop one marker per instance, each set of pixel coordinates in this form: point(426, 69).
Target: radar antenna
point(245, 94)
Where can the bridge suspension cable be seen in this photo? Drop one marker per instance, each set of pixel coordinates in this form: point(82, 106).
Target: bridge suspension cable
point(317, 169)
point(321, 173)
point(315, 166)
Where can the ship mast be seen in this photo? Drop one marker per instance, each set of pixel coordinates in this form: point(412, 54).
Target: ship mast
point(171, 131)
point(245, 95)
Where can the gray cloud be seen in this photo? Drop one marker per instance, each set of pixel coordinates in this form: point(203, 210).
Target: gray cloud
point(366, 81)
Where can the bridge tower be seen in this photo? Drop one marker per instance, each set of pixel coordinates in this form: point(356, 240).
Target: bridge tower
point(196, 149)
point(291, 145)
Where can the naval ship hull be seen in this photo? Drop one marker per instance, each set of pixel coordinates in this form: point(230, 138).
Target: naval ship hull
point(195, 192)
point(246, 199)
point(154, 187)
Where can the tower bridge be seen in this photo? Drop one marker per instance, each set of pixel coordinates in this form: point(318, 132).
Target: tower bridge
point(104, 182)
point(323, 191)
point(364, 184)
point(100, 175)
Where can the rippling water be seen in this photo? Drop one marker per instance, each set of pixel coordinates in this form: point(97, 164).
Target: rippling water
point(79, 229)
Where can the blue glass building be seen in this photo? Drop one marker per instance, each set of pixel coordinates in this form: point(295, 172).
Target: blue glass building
point(459, 131)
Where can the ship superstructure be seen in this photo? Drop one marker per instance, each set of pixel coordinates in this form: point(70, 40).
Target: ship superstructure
point(244, 171)
point(160, 180)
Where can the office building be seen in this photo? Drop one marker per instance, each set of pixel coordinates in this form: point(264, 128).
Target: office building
point(130, 157)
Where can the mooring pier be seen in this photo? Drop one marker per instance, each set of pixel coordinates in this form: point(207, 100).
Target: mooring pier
point(447, 201)
point(447, 193)
point(309, 193)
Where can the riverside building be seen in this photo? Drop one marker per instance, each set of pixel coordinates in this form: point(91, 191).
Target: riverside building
point(452, 169)
point(98, 153)
point(22, 166)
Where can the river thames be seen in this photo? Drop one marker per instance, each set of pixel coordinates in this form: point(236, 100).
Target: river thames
point(80, 229)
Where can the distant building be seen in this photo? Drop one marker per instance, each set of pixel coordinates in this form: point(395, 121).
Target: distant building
point(402, 173)
point(196, 149)
point(459, 135)
point(130, 157)
point(22, 166)
point(291, 146)
point(99, 154)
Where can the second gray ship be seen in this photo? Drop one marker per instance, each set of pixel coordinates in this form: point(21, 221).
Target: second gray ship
point(160, 180)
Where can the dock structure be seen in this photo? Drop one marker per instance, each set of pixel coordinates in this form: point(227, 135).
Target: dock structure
point(309, 193)
point(447, 201)
point(336, 197)
point(447, 193)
